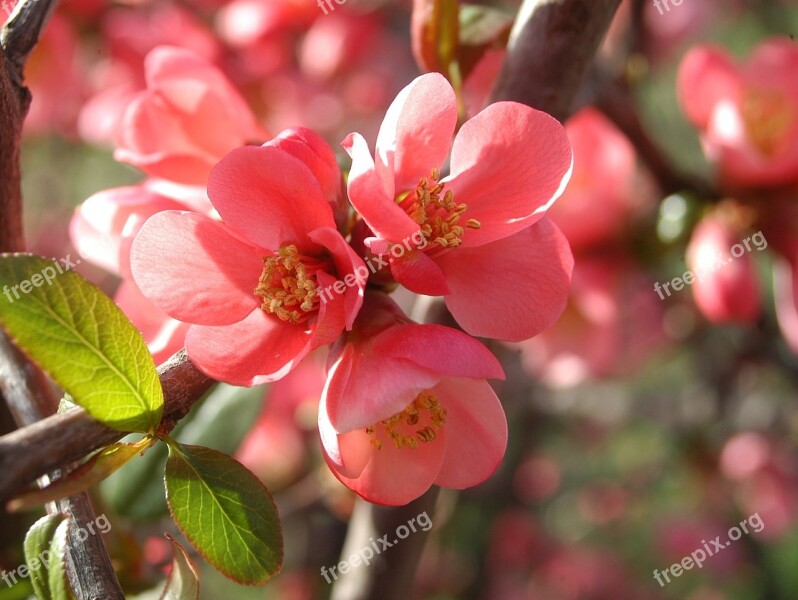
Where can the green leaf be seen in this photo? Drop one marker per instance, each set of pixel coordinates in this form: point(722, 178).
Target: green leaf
point(137, 492)
point(81, 338)
point(183, 581)
point(93, 471)
point(43, 555)
point(57, 573)
point(225, 512)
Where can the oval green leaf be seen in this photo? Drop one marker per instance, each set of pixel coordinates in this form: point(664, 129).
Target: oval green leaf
point(225, 512)
point(183, 580)
point(44, 554)
point(137, 492)
point(81, 338)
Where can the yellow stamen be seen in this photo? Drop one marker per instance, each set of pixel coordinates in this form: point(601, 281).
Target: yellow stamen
point(424, 407)
point(287, 289)
point(768, 116)
point(437, 215)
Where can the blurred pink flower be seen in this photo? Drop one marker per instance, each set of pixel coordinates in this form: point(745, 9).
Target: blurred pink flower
point(508, 165)
point(747, 113)
point(726, 288)
point(128, 35)
point(104, 225)
point(56, 101)
point(406, 406)
point(248, 285)
point(605, 190)
point(612, 323)
point(188, 118)
point(275, 447)
point(102, 230)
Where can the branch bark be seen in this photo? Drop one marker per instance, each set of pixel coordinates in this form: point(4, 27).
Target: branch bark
point(61, 439)
point(551, 48)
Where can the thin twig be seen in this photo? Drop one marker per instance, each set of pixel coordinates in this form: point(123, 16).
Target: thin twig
point(612, 97)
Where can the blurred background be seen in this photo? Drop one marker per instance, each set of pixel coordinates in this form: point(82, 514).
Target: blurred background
point(640, 424)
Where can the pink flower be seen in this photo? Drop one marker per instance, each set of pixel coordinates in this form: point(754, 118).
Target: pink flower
point(479, 234)
point(747, 113)
point(186, 120)
point(726, 288)
point(406, 406)
point(605, 190)
point(57, 99)
point(612, 324)
point(249, 285)
point(128, 35)
point(103, 227)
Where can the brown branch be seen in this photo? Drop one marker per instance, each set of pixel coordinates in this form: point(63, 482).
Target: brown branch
point(390, 576)
point(17, 39)
point(30, 398)
point(612, 97)
point(551, 48)
point(13, 107)
point(61, 439)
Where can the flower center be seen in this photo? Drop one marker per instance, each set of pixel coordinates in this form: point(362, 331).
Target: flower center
point(288, 285)
point(438, 215)
point(418, 422)
point(768, 116)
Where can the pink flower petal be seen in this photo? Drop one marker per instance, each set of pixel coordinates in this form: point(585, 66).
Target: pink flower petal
point(331, 318)
point(509, 164)
point(270, 197)
point(187, 81)
point(476, 432)
point(419, 273)
point(164, 335)
point(706, 76)
point(372, 388)
point(430, 346)
point(417, 131)
point(521, 287)
point(153, 139)
point(370, 196)
point(314, 152)
point(350, 269)
point(99, 224)
point(256, 350)
point(194, 269)
point(390, 476)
